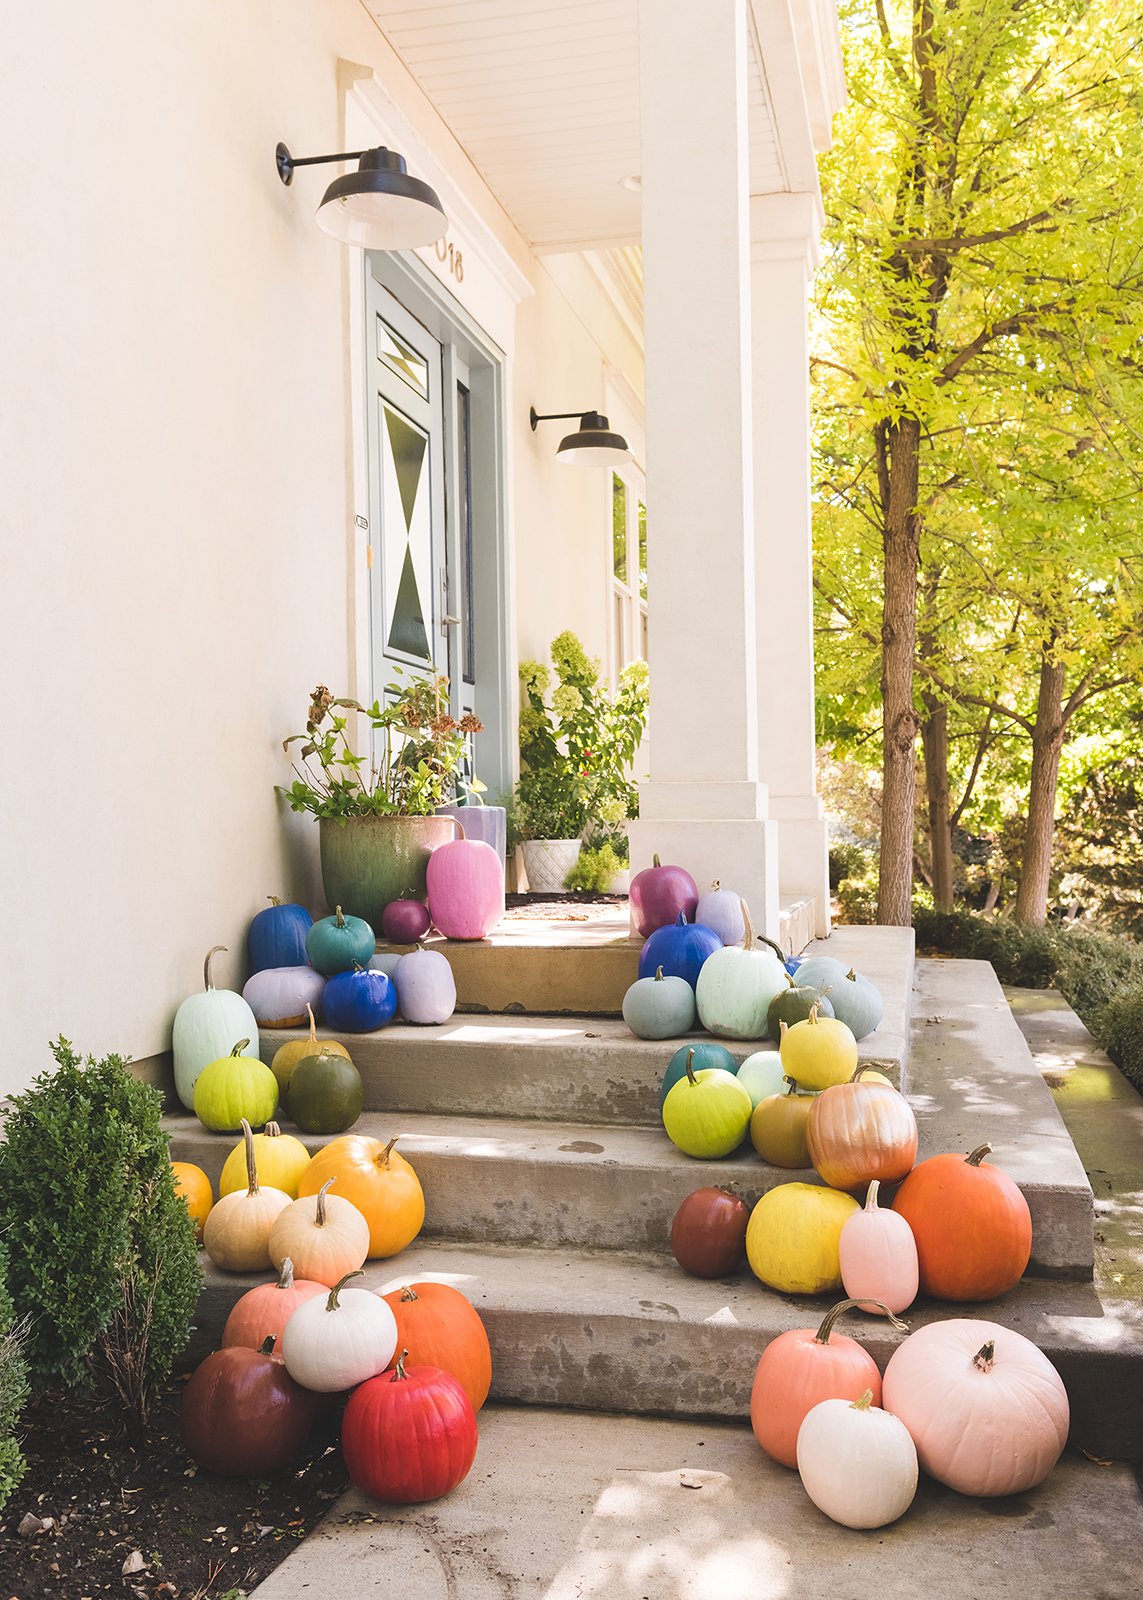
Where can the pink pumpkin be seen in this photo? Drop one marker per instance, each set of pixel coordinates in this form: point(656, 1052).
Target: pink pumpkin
point(878, 1257)
point(466, 888)
point(426, 988)
point(657, 896)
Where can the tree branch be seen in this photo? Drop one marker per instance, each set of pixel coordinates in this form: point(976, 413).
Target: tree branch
point(964, 698)
point(997, 330)
point(970, 241)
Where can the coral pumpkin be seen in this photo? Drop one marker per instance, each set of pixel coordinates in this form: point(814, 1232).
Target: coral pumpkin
point(409, 1435)
point(378, 1181)
point(971, 1223)
point(438, 1327)
point(262, 1313)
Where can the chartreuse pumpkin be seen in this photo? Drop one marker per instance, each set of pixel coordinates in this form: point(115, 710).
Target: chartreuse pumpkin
point(234, 1089)
point(707, 1113)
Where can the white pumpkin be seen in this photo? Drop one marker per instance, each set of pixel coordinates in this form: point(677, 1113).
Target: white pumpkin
point(336, 1341)
point(857, 1463)
point(735, 988)
point(761, 1075)
point(205, 1028)
point(721, 909)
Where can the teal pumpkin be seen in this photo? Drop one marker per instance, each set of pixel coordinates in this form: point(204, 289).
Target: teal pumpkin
point(700, 1057)
point(233, 1088)
point(659, 1007)
point(325, 1093)
point(339, 943)
point(707, 1114)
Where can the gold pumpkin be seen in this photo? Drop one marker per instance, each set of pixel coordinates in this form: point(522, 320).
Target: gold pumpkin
point(280, 1158)
point(792, 1238)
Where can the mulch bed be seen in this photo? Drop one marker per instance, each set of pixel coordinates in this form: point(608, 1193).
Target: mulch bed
point(146, 1523)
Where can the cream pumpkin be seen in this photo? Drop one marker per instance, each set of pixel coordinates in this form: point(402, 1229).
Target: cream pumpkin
point(236, 1234)
point(325, 1236)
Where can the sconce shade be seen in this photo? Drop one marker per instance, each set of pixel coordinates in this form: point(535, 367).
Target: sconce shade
point(592, 444)
point(380, 207)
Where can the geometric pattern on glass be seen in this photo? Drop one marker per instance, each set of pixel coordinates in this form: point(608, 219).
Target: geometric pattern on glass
point(407, 534)
point(406, 363)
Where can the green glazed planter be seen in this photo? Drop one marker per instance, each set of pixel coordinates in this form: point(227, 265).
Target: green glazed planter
point(366, 862)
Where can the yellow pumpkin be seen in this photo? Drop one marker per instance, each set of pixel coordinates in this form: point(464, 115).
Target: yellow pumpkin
point(194, 1186)
point(325, 1237)
point(378, 1181)
point(236, 1235)
point(818, 1053)
point(793, 1237)
point(287, 1055)
point(281, 1159)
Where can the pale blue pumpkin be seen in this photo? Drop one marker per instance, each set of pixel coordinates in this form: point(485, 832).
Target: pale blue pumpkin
point(761, 1075)
point(659, 1007)
point(857, 1003)
point(205, 1028)
point(821, 972)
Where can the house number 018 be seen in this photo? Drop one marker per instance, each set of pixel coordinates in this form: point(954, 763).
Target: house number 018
point(449, 256)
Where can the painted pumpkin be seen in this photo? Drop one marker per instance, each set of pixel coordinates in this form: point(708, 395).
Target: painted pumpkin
point(818, 1052)
point(359, 1001)
point(658, 894)
point(236, 1234)
point(379, 1182)
point(794, 1004)
point(465, 883)
point(339, 943)
point(405, 921)
point(440, 1327)
point(242, 1414)
point(778, 1128)
point(761, 1075)
point(860, 1131)
point(735, 988)
point(332, 1344)
point(277, 936)
point(987, 1410)
point(325, 1236)
point(282, 997)
point(857, 1003)
point(205, 1027)
point(193, 1184)
point(262, 1312)
point(708, 1233)
point(659, 1007)
point(287, 1056)
point(680, 948)
point(971, 1223)
point(426, 988)
point(700, 1056)
point(281, 1160)
point(326, 1093)
point(409, 1436)
point(792, 1239)
point(821, 972)
point(721, 909)
point(857, 1463)
point(707, 1113)
point(878, 1257)
point(233, 1090)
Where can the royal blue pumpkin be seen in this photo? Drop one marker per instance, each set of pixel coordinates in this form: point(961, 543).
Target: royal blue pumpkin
point(702, 1055)
point(338, 943)
point(359, 1001)
point(277, 936)
point(680, 949)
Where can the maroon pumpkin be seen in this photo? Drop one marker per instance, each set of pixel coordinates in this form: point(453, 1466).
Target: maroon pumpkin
point(409, 1435)
point(658, 895)
point(243, 1416)
point(465, 888)
point(405, 921)
point(708, 1235)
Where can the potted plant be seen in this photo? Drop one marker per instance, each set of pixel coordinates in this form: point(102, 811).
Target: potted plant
point(577, 743)
point(377, 822)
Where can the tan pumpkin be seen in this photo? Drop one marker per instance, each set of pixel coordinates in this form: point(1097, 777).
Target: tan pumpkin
point(860, 1131)
point(326, 1237)
point(236, 1234)
point(281, 1160)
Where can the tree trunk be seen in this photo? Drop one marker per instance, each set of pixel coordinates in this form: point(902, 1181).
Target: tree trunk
point(1040, 828)
point(899, 461)
point(935, 740)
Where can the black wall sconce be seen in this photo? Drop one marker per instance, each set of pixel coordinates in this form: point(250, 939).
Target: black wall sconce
point(379, 207)
point(592, 444)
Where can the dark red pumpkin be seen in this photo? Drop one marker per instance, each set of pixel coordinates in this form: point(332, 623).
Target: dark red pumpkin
point(708, 1234)
point(242, 1414)
point(409, 1435)
point(971, 1223)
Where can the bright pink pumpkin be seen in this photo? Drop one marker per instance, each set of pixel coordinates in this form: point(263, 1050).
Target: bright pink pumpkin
point(426, 988)
point(465, 888)
point(878, 1257)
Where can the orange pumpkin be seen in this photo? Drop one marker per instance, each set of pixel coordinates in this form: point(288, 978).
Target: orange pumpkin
point(971, 1223)
point(378, 1181)
point(262, 1313)
point(438, 1327)
point(194, 1186)
point(860, 1131)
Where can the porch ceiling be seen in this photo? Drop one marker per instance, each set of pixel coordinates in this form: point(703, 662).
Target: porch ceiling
point(544, 97)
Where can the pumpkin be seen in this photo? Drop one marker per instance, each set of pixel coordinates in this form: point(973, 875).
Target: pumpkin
point(359, 1001)
point(707, 1113)
point(987, 1410)
point(465, 888)
point(262, 1313)
point(379, 1182)
point(971, 1223)
point(242, 1414)
point(276, 936)
point(798, 1370)
point(659, 1007)
point(387, 961)
point(857, 1463)
point(205, 1027)
point(425, 986)
point(818, 1052)
point(878, 1256)
point(326, 1092)
point(761, 1075)
point(338, 943)
point(405, 921)
point(333, 1343)
point(794, 1004)
point(287, 1056)
point(194, 1186)
point(792, 1237)
point(821, 972)
point(735, 987)
point(859, 1131)
point(778, 1127)
point(235, 1090)
point(281, 1159)
point(700, 1056)
point(281, 997)
point(409, 1436)
point(708, 1233)
point(680, 948)
point(857, 1003)
point(657, 895)
point(236, 1234)
point(721, 909)
point(325, 1236)
point(439, 1327)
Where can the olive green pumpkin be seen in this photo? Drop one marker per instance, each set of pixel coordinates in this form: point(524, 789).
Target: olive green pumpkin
point(234, 1088)
point(793, 1004)
point(325, 1093)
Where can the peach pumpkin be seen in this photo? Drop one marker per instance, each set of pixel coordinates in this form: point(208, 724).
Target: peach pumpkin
point(262, 1313)
point(325, 1235)
point(878, 1257)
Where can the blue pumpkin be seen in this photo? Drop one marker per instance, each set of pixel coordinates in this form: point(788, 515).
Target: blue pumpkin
point(680, 949)
point(703, 1055)
point(358, 1001)
point(277, 937)
point(339, 943)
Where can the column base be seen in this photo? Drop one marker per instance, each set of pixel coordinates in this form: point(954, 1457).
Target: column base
point(803, 854)
point(742, 853)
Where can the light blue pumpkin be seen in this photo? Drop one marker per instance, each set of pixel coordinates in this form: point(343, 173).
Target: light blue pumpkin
point(659, 1007)
point(761, 1075)
point(821, 972)
point(734, 991)
point(205, 1028)
point(857, 1003)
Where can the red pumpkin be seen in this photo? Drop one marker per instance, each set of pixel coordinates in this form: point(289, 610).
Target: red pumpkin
point(409, 1435)
point(465, 888)
point(243, 1416)
point(708, 1234)
point(262, 1313)
point(971, 1223)
point(438, 1327)
point(860, 1131)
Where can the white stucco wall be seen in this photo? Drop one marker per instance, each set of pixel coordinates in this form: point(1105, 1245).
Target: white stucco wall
point(176, 472)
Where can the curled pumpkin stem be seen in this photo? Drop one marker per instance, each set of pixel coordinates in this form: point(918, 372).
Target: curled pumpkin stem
point(823, 1334)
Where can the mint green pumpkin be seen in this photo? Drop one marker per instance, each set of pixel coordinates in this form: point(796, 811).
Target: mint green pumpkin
point(707, 1113)
point(233, 1088)
point(761, 1075)
point(735, 987)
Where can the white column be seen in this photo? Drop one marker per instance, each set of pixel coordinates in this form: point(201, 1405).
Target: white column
point(784, 235)
point(703, 807)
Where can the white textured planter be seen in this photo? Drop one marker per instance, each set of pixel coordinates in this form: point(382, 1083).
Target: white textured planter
point(620, 882)
point(548, 862)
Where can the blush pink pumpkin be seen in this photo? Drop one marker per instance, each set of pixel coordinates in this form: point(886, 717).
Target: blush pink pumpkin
point(878, 1257)
point(465, 888)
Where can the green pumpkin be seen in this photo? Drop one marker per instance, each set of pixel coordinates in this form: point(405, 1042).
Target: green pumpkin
point(793, 1005)
point(234, 1088)
point(325, 1093)
point(707, 1113)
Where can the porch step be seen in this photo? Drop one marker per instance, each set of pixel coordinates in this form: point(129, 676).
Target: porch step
point(610, 1332)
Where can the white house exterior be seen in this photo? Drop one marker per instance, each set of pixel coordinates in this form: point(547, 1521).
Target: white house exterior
point(195, 383)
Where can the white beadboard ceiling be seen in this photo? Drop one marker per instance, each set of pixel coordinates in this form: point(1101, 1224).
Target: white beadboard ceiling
point(543, 96)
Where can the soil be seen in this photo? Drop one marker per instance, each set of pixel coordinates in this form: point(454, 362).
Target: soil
point(147, 1523)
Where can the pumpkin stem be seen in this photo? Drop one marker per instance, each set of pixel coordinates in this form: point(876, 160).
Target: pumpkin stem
point(748, 935)
point(813, 1016)
point(251, 1164)
point(863, 1401)
point(871, 1196)
point(978, 1155)
point(332, 1303)
point(207, 980)
point(831, 1316)
point(659, 975)
point(273, 899)
point(338, 917)
point(266, 1348)
point(272, 1131)
point(655, 862)
point(286, 1274)
point(851, 976)
point(783, 1030)
point(383, 1158)
point(688, 1062)
point(985, 1356)
point(715, 884)
point(399, 1373)
point(460, 828)
point(239, 1047)
point(791, 980)
point(408, 1294)
point(865, 1066)
point(793, 1082)
point(313, 1024)
point(319, 1215)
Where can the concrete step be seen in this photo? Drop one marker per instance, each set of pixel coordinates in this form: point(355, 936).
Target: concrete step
point(610, 1332)
point(971, 1080)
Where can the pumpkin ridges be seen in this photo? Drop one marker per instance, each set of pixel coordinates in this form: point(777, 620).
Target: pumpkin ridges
point(972, 1227)
point(442, 1328)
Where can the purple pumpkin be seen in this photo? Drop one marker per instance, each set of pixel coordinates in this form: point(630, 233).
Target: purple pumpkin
point(466, 888)
point(426, 988)
point(658, 894)
point(278, 996)
point(679, 949)
point(721, 909)
point(405, 921)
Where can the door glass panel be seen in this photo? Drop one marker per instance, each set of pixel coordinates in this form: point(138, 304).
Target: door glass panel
point(464, 515)
point(642, 551)
point(619, 527)
point(402, 359)
point(619, 604)
point(407, 543)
